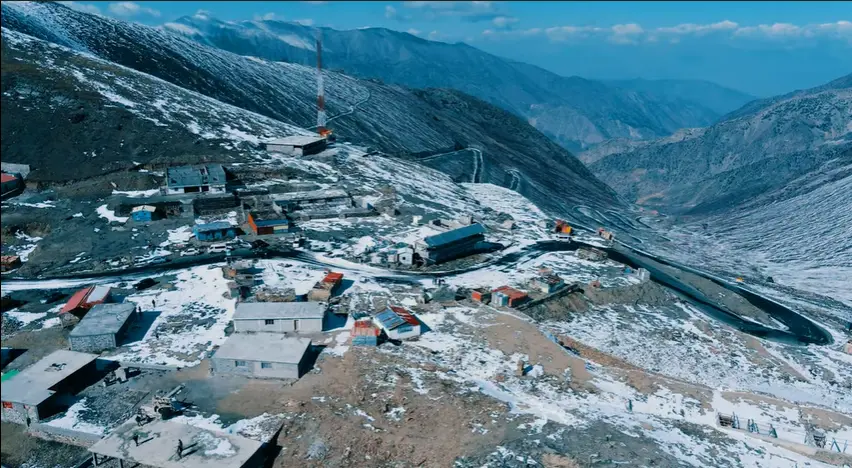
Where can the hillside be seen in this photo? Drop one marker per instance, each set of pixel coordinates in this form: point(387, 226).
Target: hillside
point(756, 150)
point(393, 119)
point(575, 112)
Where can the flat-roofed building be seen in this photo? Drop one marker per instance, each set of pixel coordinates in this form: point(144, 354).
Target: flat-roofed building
point(279, 317)
point(324, 199)
point(103, 327)
point(297, 145)
point(264, 355)
point(202, 448)
point(191, 179)
point(43, 389)
point(450, 245)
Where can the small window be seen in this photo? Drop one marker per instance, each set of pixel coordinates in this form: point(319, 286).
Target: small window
point(269, 322)
point(240, 363)
point(404, 328)
point(266, 365)
point(295, 325)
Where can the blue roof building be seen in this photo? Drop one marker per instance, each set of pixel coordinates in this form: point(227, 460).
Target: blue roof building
point(214, 231)
point(450, 245)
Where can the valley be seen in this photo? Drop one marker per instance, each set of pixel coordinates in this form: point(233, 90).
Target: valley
point(438, 284)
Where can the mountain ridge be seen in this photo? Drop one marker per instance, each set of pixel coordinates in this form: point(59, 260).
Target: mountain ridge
point(568, 109)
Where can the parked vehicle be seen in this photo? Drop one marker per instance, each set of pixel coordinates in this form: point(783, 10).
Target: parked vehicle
point(190, 251)
point(218, 248)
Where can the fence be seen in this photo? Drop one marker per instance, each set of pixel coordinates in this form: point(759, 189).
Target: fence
point(811, 438)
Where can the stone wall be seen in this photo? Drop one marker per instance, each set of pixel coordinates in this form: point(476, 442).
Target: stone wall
point(92, 343)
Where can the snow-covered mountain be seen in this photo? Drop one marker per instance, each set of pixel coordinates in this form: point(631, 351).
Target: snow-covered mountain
point(133, 63)
point(575, 112)
point(752, 152)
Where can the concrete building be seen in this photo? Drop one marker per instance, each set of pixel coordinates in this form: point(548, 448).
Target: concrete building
point(269, 355)
point(406, 256)
point(218, 230)
point(44, 388)
point(548, 283)
point(315, 200)
point(143, 213)
point(203, 448)
point(397, 323)
point(268, 221)
point(103, 327)
point(450, 245)
point(297, 145)
point(279, 317)
point(189, 179)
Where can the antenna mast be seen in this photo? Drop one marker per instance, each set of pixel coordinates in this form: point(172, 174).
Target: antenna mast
point(321, 120)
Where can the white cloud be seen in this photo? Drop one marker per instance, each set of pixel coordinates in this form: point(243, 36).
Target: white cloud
point(413, 32)
point(503, 22)
point(84, 7)
point(633, 33)
point(434, 35)
point(691, 28)
point(129, 9)
point(305, 22)
point(267, 17)
point(469, 11)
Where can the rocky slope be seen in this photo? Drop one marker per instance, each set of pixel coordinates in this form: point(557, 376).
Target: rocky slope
point(395, 120)
point(575, 112)
point(755, 150)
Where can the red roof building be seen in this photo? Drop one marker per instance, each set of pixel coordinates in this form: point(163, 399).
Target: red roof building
point(86, 298)
point(333, 277)
point(504, 295)
point(7, 177)
point(405, 315)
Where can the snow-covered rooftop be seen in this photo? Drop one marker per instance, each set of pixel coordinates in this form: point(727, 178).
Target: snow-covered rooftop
point(295, 140)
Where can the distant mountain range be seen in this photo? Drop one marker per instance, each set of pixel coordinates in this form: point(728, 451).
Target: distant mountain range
point(575, 112)
point(117, 92)
point(751, 153)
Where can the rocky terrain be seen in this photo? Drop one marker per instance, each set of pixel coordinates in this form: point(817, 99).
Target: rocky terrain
point(615, 369)
point(756, 150)
point(398, 121)
point(575, 112)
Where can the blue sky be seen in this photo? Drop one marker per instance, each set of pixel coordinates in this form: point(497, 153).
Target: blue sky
point(763, 48)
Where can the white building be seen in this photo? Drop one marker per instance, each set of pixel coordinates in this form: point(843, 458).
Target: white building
point(397, 323)
point(279, 317)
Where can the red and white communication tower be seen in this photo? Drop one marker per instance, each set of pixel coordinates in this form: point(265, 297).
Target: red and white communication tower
point(321, 119)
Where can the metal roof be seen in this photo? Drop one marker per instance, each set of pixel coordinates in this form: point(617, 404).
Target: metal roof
point(267, 347)
point(405, 315)
point(454, 235)
point(309, 195)
point(190, 176)
point(78, 299)
point(279, 310)
point(295, 140)
point(104, 319)
point(215, 226)
point(389, 319)
point(33, 384)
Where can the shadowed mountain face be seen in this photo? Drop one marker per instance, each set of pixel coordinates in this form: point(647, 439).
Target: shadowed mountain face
point(117, 69)
point(575, 112)
point(753, 151)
